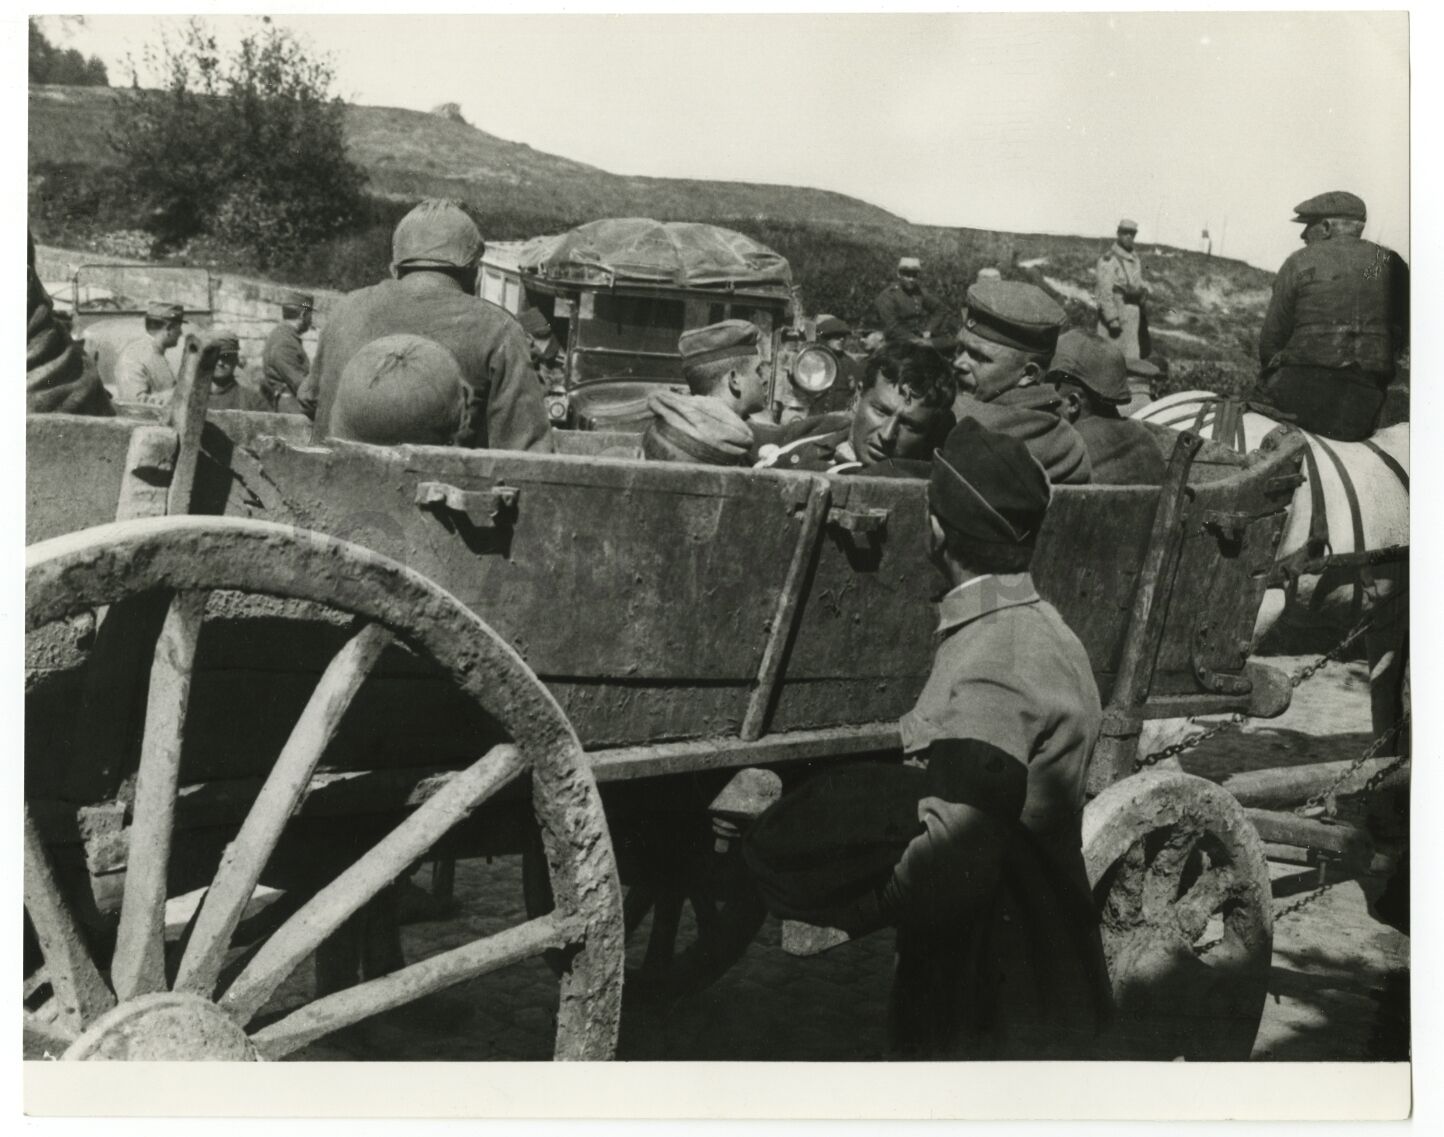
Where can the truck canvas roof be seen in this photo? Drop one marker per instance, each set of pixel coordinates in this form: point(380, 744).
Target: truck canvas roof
point(677, 254)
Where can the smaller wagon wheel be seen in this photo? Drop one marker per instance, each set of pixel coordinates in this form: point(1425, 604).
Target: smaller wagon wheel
point(127, 1006)
point(1183, 888)
point(696, 907)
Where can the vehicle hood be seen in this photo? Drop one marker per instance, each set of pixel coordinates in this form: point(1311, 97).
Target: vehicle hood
point(619, 404)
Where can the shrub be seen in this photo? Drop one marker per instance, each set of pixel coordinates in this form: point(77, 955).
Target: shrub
point(51, 64)
point(248, 150)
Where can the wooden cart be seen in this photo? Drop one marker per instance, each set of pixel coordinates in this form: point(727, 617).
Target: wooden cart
point(256, 662)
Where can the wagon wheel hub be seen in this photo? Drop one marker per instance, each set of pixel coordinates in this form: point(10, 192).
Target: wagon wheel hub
point(164, 1027)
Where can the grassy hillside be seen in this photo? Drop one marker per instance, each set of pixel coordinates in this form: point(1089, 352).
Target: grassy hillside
point(842, 250)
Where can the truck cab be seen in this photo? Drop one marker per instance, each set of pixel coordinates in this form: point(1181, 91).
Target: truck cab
point(619, 293)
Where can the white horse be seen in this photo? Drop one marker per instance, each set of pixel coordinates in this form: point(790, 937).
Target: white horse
point(1350, 517)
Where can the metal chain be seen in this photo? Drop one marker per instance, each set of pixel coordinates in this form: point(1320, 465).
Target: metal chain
point(1304, 674)
point(1320, 799)
point(1189, 743)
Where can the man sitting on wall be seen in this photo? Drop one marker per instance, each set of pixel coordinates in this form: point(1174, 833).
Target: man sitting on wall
point(1010, 329)
point(902, 415)
point(722, 364)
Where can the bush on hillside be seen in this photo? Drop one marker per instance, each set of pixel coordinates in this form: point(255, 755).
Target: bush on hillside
point(51, 64)
point(247, 150)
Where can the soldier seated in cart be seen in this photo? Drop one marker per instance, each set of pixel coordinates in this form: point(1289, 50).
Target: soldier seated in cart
point(902, 415)
point(974, 847)
point(1091, 375)
point(722, 364)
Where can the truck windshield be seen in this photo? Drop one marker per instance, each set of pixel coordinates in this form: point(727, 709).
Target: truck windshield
point(642, 324)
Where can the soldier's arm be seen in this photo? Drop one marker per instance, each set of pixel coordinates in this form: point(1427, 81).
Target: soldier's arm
point(516, 415)
point(1279, 319)
point(290, 365)
point(1108, 309)
point(937, 315)
point(132, 383)
point(308, 393)
point(1399, 300)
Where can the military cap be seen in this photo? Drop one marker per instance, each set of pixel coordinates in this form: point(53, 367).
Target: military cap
point(1128, 225)
point(1335, 203)
point(400, 389)
point(987, 488)
point(226, 340)
point(726, 340)
point(1093, 363)
point(989, 273)
point(292, 299)
point(1143, 369)
point(909, 264)
point(831, 326)
point(162, 310)
point(438, 233)
point(534, 323)
point(1013, 313)
point(695, 428)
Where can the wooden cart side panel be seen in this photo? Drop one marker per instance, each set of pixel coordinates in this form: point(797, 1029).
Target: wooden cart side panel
point(74, 466)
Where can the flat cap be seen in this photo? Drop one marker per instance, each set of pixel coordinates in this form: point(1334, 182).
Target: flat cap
point(727, 340)
point(293, 299)
point(1013, 313)
point(909, 263)
point(1128, 225)
point(1335, 203)
point(831, 326)
point(695, 428)
point(1094, 363)
point(534, 323)
point(163, 310)
point(225, 339)
point(439, 233)
point(400, 389)
point(987, 487)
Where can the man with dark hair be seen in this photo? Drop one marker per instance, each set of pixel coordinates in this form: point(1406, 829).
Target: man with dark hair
point(722, 364)
point(905, 311)
point(1338, 318)
point(902, 415)
point(1092, 376)
point(435, 251)
point(974, 847)
point(142, 372)
point(1010, 329)
point(284, 365)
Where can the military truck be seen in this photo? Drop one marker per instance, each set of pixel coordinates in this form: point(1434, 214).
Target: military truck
point(619, 292)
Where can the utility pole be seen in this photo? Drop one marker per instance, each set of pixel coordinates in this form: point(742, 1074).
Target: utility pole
point(1223, 236)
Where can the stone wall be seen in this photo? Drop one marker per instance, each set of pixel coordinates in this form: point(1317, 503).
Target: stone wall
point(247, 306)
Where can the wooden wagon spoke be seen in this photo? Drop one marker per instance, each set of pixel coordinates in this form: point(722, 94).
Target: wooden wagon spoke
point(636, 904)
point(138, 966)
point(51, 1030)
point(81, 995)
point(469, 961)
point(1204, 898)
point(662, 943)
point(329, 908)
point(247, 855)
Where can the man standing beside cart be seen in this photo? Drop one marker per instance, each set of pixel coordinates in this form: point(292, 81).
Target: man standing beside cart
point(435, 252)
point(284, 365)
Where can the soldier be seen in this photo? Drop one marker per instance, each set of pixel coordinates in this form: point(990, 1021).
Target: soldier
point(541, 341)
point(1123, 294)
point(1338, 317)
point(284, 366)
point(436, 249)
point(902, 414)
point(974, 847)
point(905, 311)
point(832, 333)
point(57, 375)
point(1091, 375)
point(722, 364)
point(400, 390)
point(1010, 329)
point(142, 373)
point(227, 392)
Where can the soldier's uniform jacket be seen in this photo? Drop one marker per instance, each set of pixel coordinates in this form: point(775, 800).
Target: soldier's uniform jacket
point(1120, 282)
point(822, 443)
point(1028, 977)
point(142, 374)
point(504, 403)
point(284, 368)
point(1031, 415)
point(900, 315)
point(236, 396)
point(1121, 451)
point(1339, 302)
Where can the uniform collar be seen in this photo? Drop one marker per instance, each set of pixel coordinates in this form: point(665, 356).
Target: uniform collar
point(1034, 396)
point(1122, 252)
point(983, 594)
point(431, 282)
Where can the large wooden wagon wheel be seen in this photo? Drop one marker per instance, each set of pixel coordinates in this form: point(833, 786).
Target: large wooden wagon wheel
point(1183, 887)
point(126, 1006)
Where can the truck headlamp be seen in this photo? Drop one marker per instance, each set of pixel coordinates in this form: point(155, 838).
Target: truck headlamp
point(815, 370)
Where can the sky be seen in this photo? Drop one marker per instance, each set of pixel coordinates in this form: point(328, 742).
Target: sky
point(1038, 122)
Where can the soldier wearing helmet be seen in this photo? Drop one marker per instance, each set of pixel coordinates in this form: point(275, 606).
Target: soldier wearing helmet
point(435, 252)
point(1338, 317)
